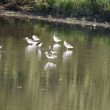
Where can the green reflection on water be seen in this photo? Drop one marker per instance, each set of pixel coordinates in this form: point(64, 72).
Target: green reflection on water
point(79, 82)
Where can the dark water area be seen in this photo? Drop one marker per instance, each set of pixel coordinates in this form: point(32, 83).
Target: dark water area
point(78, 79)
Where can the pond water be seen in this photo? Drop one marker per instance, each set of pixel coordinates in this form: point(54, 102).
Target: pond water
point(78, 79)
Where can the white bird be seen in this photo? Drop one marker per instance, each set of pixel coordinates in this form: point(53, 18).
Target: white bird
point(30, 41)
point(67, 45)
point(56, 39)
point(50, 56)
point(35, 38)
point(51, 51)
point(1, 46)
point(19, 87)
point(39, 44)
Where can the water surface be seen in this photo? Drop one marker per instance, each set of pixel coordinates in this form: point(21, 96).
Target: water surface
point(76, 80)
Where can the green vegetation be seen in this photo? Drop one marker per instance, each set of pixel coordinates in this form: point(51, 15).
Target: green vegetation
point(99, 9)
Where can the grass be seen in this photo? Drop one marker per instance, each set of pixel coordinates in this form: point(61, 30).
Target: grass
point(99, 9)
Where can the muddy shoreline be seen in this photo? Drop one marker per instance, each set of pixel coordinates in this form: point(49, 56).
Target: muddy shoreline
point(51, 19)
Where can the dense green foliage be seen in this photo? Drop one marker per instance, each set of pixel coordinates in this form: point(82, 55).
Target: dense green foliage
point(78, 8)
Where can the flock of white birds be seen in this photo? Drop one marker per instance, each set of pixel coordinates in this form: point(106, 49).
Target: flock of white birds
point(52, 52)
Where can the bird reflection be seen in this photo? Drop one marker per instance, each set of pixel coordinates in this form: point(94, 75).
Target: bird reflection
point(67, 54)
point(29, 48)
point(0, 56)
point(39, 53)
point(30, 41)
point(0, 51)
point(56, 47)
point(49, 65)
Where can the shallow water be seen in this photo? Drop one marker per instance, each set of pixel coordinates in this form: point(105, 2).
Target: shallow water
point(78, 79)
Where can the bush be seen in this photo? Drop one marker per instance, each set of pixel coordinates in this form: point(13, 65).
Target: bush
point(78, 8)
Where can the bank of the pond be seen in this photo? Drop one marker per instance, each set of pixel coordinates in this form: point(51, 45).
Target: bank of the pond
point(49, 18)
point(91, 9)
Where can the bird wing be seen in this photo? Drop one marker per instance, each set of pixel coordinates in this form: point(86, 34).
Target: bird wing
point(69, 45)
point(35, 37)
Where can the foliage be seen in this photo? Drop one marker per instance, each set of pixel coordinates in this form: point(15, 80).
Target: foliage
point(78, 8)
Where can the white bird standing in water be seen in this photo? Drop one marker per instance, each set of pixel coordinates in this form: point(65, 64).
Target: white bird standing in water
point(50, 56)
point(1, 46)
point(35, 38)
point(56, 39)
point(39, 44)
point(51, 51)
point(30, 41)
point(67, 45)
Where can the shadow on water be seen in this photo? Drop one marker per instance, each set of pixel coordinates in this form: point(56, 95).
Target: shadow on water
point(78, 79)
